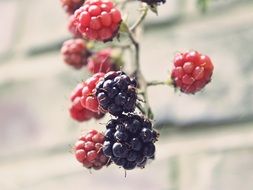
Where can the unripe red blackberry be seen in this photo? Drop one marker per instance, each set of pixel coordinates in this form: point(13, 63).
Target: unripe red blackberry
point(71, 5)
point(129, 141)
point(104, 61)
point(75, 53)
point(88, 98)
point(191, 71)
point(77, 111)
point(116, 93)
point(73, 28)
point(98, 20)
point(88, 150)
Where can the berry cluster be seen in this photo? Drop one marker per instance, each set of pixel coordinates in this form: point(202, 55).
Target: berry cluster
point(75, 53)
point(116, 93)
point(129, 138)
point(88, 150)
point(77, 111)
point(129, 141)
point(98, 20)
point(192, 71)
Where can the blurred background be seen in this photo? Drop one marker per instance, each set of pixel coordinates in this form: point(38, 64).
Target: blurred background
point(206, 140)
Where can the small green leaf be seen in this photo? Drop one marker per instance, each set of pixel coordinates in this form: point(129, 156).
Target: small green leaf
point(123, 27)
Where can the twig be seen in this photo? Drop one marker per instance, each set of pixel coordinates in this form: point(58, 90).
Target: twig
point(141, 18)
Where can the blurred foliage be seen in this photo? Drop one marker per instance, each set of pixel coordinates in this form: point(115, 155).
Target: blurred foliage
point(203, 5)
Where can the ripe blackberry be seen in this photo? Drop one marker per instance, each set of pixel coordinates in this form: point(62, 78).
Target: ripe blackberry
point(72, 27)
point(192, 71)
point(88, 150)
point(98, 20)
point(71, 5)
point(116, 93)
point(75, 53)
point(104, 61)
point(153, 2)
point(129, 141)
point(77, 111)
point(88, 97)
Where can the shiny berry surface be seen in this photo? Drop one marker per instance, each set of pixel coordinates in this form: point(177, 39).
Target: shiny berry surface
point(191, 71)
point(98, 20)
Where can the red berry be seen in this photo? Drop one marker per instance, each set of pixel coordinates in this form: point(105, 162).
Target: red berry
point(98, 20)
point(89, 99)
point(71, 5)
point(89, 152)
point(75, 53)
point(103, 61)
point(77, 111)
point(72, 27)
point(192, 71)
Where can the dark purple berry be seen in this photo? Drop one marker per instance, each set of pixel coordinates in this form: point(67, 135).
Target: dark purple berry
point(109, 134)
point(119, 150)
point(107, 148)
point(149, 150)
point(129, 165)
point(132, 156)
point(136, 144)
point(133, 141)
point(121, 136)
point(116, 93)
point(146, 135)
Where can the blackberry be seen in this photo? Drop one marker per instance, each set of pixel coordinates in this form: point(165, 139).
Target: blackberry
point(116, 93)
point(153, 3)
point(127, 147)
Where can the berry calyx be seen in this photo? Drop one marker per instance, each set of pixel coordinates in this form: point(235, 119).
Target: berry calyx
point(71, 5)
point(75, 53)
point(98, 20)
point(88, 150)
point(116, 93)
point(104, 61)
point(191, 71)
point(129, 141)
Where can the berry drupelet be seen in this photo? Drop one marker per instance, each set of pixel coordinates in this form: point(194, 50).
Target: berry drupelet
point(75, 53)
point(129, 141)
point(88, 150)
point(116, 93)
point(98, 20)
point(191, 71)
